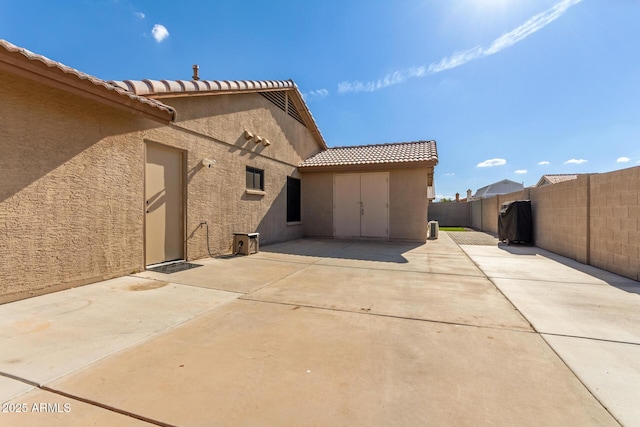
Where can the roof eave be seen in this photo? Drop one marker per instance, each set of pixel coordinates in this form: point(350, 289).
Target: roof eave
point(162, 89)
point(369, 166)
point(35, 70)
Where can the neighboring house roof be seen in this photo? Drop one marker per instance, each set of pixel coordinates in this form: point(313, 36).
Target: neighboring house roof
point(283, 93)
point(416, 153)
point(501, 187)
point(39, 68)
point(554, 179)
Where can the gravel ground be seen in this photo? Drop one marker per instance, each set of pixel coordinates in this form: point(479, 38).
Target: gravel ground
point(477, 238)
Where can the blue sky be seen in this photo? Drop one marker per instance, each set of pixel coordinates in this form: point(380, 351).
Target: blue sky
point(509, 89)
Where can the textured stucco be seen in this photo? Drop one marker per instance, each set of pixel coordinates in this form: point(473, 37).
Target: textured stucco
point(407, 203)
point(72, 193)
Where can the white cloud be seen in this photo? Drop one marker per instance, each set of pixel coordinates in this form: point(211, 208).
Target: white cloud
point(532, 25)
point(139, 15)
point(544, 162)
point(159, 32)
point(521, 171)
point(390, 79)
point(623, 160)
point(492, 162)
point(575, 161)
point(319, 93)
point(449, 174)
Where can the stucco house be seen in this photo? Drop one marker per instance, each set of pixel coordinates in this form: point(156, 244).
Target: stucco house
point(101, 179)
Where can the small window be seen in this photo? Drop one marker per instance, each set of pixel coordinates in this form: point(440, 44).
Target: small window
point(293, 200)
point(255, 179)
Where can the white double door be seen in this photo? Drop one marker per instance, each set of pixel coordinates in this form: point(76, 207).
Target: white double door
point(361, 205)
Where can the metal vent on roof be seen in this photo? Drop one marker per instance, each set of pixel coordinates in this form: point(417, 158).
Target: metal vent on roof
point(281, 100)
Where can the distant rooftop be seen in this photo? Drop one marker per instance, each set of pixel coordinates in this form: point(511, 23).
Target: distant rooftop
point(417, 152)
point(501, 187)
point(554, 179)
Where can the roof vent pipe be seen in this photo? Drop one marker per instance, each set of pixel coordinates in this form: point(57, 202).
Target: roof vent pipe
point(196, 77)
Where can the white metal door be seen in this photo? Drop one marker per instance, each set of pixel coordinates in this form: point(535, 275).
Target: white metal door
point(361, 205)
point(346, 208)
point(374, 195)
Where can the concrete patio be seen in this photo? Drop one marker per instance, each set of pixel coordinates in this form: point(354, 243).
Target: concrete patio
point(331, 332)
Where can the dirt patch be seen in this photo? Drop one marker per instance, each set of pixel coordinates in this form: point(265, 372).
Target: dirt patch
point(146, 286)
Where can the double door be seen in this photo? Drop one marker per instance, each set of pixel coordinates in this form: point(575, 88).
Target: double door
point(361, 205)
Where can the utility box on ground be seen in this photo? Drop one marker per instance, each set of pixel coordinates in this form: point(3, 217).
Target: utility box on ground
point(432, 230)
point(246, 243)
point(515, 222)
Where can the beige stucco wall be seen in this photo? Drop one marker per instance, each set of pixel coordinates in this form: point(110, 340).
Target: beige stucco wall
point(213, 127)
point(407, 203)
point(72, 193)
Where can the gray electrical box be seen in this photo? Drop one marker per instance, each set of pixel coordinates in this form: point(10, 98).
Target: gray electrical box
point(432, 230)
point(246, 243)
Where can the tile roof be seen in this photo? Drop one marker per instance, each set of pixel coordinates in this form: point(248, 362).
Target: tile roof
point(172, 88)
point(556, 178)
point(376, 154)
point(38, 66)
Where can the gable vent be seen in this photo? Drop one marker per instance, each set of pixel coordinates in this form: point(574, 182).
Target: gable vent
point(281, 100)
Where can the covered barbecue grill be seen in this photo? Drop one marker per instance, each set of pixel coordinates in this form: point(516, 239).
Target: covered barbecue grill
point(515, 222)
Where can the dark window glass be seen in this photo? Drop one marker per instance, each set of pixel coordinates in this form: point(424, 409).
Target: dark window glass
point(293, 199)
point(255, 178)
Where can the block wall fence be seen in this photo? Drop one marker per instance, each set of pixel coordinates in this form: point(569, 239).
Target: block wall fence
point(594, 219)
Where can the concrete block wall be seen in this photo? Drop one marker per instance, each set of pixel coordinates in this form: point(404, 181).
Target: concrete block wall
point(476, 214)
point(594, 219)
point(451, 214)
point(489, 214)
point(560, 218)
point(614, 242)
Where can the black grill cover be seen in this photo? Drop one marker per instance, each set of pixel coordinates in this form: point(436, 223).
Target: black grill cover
point(515, 223)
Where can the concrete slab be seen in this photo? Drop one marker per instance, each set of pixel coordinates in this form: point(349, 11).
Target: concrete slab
point(588, 316)
point(428, 263)
point(576, 309)
point(42, 408)
point(45, 337)
point(611, 371)
point(530, 267)
point(250, 363)
point(537, 264)
point(241, 274)
point(10, 388)
point(306, 251)
point(437, 297)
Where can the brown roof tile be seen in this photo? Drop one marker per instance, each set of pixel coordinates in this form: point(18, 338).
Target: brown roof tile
point(38, 65)
point(401, 152)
